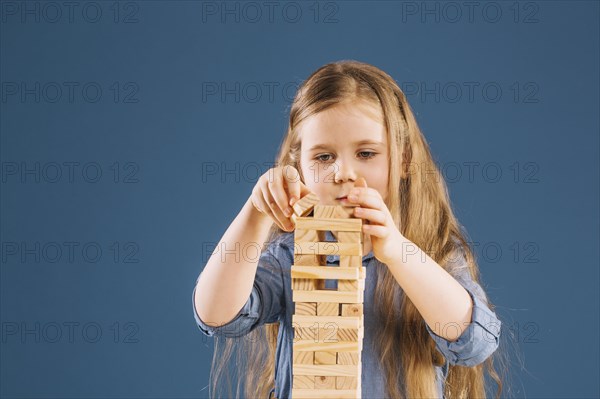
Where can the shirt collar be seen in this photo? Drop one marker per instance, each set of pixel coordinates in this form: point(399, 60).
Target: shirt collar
point(336, 258)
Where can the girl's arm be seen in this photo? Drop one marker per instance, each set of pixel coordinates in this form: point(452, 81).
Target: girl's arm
point(440, 299)
point(226, 282)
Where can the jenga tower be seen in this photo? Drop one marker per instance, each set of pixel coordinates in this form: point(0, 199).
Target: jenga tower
point(328, 324)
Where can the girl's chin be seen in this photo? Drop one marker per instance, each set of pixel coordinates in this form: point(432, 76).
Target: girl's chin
point(344, 202)
point(349, 211)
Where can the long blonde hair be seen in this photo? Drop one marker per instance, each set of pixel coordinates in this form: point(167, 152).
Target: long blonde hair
point(419, 203)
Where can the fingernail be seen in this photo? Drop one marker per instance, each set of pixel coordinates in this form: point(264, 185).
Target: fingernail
point(287, 212)
point(292, 200)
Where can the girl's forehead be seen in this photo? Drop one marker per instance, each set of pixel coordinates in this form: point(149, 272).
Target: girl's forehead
point(357, 109)
point(356, 121)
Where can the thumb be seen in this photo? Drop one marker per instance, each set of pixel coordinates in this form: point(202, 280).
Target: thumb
point(360, 182)
point(296, 188)
point(300, 191)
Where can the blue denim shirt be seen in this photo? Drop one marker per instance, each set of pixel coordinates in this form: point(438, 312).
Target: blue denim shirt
point(271, 302)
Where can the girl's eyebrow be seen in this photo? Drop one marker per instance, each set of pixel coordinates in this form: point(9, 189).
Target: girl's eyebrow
point(356, 143)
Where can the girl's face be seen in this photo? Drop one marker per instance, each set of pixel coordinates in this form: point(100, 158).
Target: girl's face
point(341, 144)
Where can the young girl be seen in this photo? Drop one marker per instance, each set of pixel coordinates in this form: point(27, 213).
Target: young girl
point(429, 328)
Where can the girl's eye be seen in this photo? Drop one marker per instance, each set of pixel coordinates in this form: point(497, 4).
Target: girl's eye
point(329, 157)
point(369, 154)
point(320, 157)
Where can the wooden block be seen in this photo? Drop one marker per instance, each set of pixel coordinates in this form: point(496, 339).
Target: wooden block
point(328, 333)
point(326, 347)
point(305, 204)
point(339, 321)
point(327, 248)
point(325, 357)
point(341, 370)
point(351, 285)
point(307, 308)
point(306, 334)
point(303, 357)
point(352, 309)
point(346, 212)
point(309, 258)
point(327, 211)
point(324, 382)
point(328, 324)
point(326, 393)
point(328, 309)
point(328, 272)
point(349, 358)
point(350, 261)
point(349, 236)
point(302, 284)
point(328, 296)
point(329, 224)
point(346, 382)
point(349, 334)
point(304, 381)
point(307, 235)
point(353, 358)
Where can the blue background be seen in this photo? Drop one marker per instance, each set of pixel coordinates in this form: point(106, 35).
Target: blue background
point(171, 131)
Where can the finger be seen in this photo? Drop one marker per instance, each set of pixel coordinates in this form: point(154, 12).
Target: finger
point(296, 187)
point(360, 182)
point(360, 187)
point(263, 207)
point(292, 180)
point(373, 216)
point(256, 202)
point(276, 212)
point(271, 207)
point(276, 186)
point(375, 230)
point(367, 198)
point(260, 203)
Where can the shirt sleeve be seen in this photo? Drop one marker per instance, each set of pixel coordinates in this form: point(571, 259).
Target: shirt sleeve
point(481, 338)
point(265, 304)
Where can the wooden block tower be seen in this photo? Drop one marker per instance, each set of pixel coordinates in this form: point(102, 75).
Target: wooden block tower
point(328, 324)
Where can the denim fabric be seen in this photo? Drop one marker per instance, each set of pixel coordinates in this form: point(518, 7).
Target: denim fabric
point(271, 301)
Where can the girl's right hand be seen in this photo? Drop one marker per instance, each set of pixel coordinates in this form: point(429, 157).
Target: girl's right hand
point(274, 193)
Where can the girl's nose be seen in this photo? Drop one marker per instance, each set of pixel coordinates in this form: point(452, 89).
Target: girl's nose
point(344, 171)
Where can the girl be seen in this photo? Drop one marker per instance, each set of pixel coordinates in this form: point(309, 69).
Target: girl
point(429, 328)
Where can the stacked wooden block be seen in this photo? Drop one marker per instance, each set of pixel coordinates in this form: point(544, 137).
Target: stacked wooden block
point(328, 324)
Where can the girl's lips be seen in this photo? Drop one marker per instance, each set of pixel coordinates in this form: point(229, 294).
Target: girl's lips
point(344, 201)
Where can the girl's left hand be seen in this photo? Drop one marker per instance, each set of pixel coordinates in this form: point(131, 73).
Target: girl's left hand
point(385, 237)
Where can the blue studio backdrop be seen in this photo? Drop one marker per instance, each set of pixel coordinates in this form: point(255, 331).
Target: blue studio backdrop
point(132, 132)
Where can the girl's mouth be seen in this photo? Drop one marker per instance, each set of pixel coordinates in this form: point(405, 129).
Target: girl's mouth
point(345, 201)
